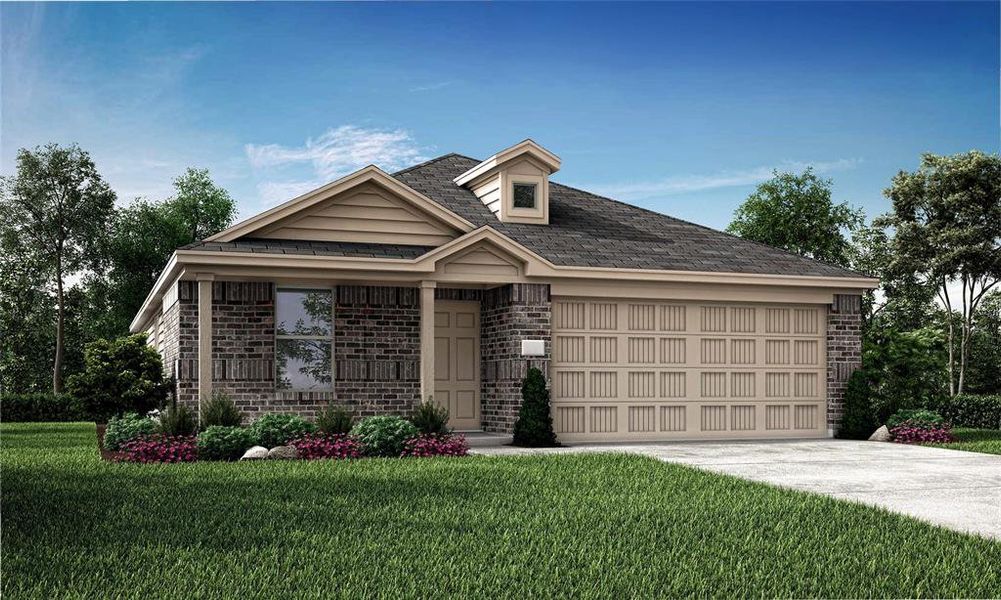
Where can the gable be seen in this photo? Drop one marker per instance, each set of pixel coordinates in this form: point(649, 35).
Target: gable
point(365, 213)
point(481, 259)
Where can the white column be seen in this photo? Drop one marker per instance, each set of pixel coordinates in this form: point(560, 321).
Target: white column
point(427, 339)
point(204, 338)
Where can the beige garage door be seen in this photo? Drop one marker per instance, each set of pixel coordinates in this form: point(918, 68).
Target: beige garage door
point(643, 370)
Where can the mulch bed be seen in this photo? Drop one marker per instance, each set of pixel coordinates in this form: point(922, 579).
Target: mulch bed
point(108, 455)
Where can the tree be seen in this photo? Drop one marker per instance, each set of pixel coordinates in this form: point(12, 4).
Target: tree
point(202, 207)
point(947, 222)
point(27, 335)
point(534, 427)
point(119, 375)
point(984, 370)
point(58, 207)
point(796, 213)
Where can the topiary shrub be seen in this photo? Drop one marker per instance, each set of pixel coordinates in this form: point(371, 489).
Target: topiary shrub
point(278, 430)
point(224, 443)
point(178, 420)
point(220, 410)
point(41, 406)
point(334, 420)
point(916, 417)
point(384, 435)
point(858, 419)
point(534, 427)
point(431, 418)
point(118, 376)
point(127, 427)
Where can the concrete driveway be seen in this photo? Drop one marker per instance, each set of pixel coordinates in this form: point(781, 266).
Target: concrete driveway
point(955, 489)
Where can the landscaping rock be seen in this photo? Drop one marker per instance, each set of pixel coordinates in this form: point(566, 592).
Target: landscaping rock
point(255, 453)
point(880, 435)
point(283, 452)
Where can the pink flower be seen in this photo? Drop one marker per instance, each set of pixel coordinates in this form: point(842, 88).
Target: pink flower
point(427, 445)
point(318, 445)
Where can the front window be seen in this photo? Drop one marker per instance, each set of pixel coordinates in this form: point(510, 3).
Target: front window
point(524, 195)
point(304, 339)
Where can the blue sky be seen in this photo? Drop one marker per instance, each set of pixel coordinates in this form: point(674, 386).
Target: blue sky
point(677, 107)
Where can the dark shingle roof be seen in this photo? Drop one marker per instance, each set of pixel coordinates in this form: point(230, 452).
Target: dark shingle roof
point(592, 231)
point(263, 246)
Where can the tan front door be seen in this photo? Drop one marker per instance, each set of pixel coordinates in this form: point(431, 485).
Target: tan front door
point(457, 361)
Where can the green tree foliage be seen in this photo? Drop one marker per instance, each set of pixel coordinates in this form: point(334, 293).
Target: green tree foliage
point(796, 213)
point(57, 208)
point(858, 420)
point(119, 375)
point(201, 207)
point(534, 427)
point(904, 368)
point(947, 222)
point(984, 369)
point(27, 320)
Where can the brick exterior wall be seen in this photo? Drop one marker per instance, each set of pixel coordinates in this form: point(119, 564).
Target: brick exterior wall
point(508, 315)
point(844, 351)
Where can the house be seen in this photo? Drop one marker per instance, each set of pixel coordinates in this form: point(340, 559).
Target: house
point(378, 290)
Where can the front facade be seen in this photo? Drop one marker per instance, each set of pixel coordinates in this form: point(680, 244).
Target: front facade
point(448, 280)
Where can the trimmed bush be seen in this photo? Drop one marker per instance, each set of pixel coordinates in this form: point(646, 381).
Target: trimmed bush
point(220, 410)
point(534, 427)
point(315, 446)
point(431, 418)
point(916, 417)
point(224, 443)
point(910, 432)
point(119, 375)
point(384, 435)
point(973, 411)
point(125, 428)
point(858, 419)
point(160, 448)
point(427, 445)
point(178, 420)
point(278, 430)
point(334, 420)
point(41, 406)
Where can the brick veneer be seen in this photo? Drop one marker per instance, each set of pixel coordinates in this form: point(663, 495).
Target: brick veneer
point(508, 315)
point(844, 351)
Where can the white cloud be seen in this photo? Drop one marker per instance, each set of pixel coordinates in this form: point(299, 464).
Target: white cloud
point(430, 87)
point(273, 193)
point(683, 184)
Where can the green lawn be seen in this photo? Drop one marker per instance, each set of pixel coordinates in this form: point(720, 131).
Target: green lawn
point(575, 525)
point(987, 441)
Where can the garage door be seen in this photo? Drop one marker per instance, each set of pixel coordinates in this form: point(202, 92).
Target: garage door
point(642, 370)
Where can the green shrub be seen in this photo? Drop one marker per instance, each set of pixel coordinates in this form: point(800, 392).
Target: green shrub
point(969, 410)
point(431, 418)
point(178, 419)
point(334, 420)
point(534, 427)
point(858, 419)
point(119, 375)
point(41, 406)
point(224, 443)
point(220, 410)
point(278, 430)
point(384, 435)
point(127, 427)
point(920, 418)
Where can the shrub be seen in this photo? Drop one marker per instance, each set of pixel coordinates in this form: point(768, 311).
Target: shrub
point(534, 427)
point(220, 410)
point(384, 435)
point(916, 417)
point(277, 430)
point(858, 420)
point(910, 432)
point(431, 418)
point(426, 445)
point(178, 420)
point(313, 445)
point(161, 448)
point(119, 375)
point(334, 420)
point(127, 427)
point(224, 443)
point(41, 406)
point(968, 410)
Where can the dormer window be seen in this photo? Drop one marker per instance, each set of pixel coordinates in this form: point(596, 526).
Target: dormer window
point(514, 183)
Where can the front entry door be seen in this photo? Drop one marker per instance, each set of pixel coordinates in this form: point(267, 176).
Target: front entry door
point(457, 361)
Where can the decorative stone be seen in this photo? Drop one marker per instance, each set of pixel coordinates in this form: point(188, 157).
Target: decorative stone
point(881, 435)
point(283, 453)
point(255, 453)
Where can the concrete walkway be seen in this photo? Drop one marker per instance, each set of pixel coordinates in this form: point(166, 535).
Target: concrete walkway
point(952, 488)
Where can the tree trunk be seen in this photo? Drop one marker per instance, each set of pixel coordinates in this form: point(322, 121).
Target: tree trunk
point(57, 369)
point(952, 355)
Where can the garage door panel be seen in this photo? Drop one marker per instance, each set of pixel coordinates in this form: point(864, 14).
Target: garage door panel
point(651, 370)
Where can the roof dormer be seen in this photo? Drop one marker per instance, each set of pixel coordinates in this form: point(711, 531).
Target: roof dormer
point(514, 183)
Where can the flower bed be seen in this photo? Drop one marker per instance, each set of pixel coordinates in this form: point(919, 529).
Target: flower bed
point(911, 433)
point(318, 445)
point(427, 445)
point(160, 448)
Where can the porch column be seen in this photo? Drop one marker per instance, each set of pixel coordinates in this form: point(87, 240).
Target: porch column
point(427, 339)
point(204, 338)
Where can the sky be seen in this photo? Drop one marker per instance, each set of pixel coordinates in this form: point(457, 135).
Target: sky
point(682, 108)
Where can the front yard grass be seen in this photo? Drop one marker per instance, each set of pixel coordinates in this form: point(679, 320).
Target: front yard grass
point(571, 526)
point(987, 441)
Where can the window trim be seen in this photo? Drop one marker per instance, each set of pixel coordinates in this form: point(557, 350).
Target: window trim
point(329, 337)
point(531, 215)
point(535, 195)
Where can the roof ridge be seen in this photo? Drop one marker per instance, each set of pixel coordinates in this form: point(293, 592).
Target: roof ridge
point(428, 162)
point(725, 233)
